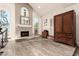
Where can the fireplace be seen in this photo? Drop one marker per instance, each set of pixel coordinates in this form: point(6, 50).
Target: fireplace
point(24, 33)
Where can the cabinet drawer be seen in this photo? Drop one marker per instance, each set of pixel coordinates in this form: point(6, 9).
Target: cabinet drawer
point(60, 39)
point(69, 41)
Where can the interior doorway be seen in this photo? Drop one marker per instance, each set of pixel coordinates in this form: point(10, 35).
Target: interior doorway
point(36, 28)
point(35, 24)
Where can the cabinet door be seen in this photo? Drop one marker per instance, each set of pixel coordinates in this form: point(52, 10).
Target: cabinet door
point(58, 23)
point(67, 22)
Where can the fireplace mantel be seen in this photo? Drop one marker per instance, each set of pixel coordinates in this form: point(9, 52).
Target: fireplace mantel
point(19, 25)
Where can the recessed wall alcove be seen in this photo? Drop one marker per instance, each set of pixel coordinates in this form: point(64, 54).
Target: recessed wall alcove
point(23, 15)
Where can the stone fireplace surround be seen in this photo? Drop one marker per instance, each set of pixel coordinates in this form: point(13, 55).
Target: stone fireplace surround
point(19, 27)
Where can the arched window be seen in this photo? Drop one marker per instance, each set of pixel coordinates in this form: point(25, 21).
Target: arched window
point(24, 12)
point(24, 16)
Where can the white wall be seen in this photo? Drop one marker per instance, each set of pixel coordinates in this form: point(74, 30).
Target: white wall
point(11, 8)
point(52, 14)
point(48, 27)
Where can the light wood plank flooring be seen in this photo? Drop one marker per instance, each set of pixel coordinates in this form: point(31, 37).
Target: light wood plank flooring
point(37, 47)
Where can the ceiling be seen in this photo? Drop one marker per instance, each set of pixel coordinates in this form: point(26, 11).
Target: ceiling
point(44, 8)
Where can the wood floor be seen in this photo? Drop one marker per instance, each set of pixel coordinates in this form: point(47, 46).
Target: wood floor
point(76, 53)
point(37, 47)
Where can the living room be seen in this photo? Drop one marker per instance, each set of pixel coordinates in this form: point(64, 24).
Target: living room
point(31, 27)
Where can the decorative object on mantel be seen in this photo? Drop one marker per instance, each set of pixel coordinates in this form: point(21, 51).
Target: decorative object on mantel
point(24, 18)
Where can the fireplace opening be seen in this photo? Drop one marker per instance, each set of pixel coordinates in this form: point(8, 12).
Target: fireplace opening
point(24, 33)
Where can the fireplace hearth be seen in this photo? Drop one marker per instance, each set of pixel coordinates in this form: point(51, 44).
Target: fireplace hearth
point(24, 33)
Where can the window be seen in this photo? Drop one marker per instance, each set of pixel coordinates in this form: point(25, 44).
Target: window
point(24, 16)
point(5, 20)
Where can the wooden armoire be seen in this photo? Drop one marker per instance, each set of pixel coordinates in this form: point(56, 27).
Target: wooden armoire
point(65, 28)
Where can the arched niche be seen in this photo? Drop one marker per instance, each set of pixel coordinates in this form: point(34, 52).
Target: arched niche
point(24, 16)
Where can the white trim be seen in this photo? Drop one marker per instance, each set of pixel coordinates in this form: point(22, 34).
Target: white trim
point(24, 25)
